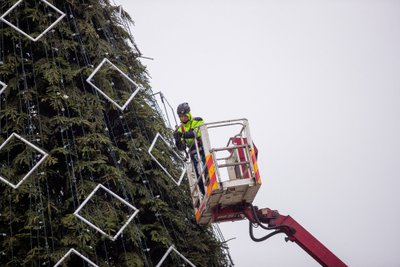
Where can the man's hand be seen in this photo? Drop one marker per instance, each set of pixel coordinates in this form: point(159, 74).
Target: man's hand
point(177, 135)
point(180, 145)
point(188, 134)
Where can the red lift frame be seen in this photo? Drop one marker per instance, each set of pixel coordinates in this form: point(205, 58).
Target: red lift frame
point(280, 224)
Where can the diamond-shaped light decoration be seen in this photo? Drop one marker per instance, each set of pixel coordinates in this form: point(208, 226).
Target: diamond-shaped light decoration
point(14, 135)
point(90, 81)
point(170, 249)
point(92, 224)
point(158, 135)
point(76, 253)
point(3, 87)
point(62, 15)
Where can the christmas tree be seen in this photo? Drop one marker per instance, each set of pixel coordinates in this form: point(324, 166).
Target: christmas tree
point(77, 117)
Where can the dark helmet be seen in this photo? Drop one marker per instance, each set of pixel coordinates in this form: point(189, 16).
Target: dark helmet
point(183, 108)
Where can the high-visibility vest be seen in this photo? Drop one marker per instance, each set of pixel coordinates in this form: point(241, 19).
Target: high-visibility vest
point(191, 125)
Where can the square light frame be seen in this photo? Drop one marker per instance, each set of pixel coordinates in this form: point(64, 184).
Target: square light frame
point(15, 186)
point(172, 248)
point(113, 238)
point(2, 18)
point(88, 80)
point(158, 135)
point(3, 87)
point(77, 253)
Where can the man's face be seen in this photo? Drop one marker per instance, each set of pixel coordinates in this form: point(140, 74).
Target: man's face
point(183, 118)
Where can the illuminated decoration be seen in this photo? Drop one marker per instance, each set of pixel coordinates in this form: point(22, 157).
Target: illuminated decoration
point(77, 253)
point(113, 238)
point(158, 135)
point(3, 87)
point(14, 135)
point(170, 249)
point(90, 78)
point(62, 15)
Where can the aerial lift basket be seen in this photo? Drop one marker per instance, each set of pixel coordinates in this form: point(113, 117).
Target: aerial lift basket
point(230, 172)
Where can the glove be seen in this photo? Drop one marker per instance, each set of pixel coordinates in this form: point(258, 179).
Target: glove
point(177, 135)
point(189, 134)
point(180, 145)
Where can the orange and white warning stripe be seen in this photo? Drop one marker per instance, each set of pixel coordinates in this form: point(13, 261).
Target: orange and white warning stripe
point(213, 185)
point(256, 171)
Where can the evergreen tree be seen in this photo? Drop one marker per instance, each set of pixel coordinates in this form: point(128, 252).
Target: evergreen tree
point(89, 140)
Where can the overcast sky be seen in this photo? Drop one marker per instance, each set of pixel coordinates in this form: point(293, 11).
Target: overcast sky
point(319, 83)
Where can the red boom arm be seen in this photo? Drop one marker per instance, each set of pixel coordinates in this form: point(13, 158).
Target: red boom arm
point(280, 224)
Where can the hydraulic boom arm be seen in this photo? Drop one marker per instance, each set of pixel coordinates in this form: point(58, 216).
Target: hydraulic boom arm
point(271, 220)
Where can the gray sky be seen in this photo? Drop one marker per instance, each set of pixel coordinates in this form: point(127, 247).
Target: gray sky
point(319, 83)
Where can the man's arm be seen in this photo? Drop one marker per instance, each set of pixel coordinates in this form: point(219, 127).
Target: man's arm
point(178, 140)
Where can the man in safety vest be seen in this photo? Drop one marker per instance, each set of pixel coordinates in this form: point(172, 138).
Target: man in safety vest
point(185, 136)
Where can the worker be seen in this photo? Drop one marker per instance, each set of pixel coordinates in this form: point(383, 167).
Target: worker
point(185, 136)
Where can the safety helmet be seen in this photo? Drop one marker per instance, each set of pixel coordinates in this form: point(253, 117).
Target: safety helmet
point(183, 108)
